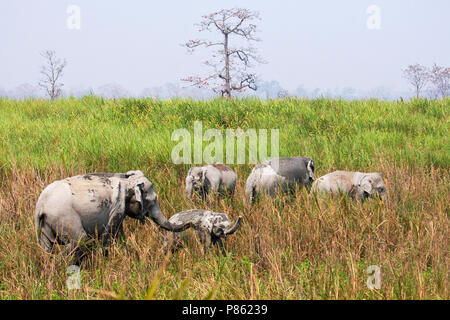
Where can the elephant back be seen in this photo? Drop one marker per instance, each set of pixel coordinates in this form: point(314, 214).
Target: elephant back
point(293, 169)
point(91, 193)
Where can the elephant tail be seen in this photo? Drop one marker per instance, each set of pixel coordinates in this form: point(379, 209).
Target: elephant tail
point(250, 189)
point(39, 221)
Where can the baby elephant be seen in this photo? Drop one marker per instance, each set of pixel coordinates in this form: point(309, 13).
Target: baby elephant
point(357, 185)
point(215, 178)
point(210, 227)
point(280, 174)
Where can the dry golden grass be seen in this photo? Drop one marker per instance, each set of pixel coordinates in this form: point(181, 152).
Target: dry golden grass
point(287, 248)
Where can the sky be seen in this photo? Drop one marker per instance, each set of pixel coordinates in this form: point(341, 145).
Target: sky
point(136, 43)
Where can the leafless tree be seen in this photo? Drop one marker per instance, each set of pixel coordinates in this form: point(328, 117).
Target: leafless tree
point(440, 79)
point(51, 73)
point(229, 63)
point(418, 76)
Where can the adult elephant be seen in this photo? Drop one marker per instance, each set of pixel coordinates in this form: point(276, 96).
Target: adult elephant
point(76, 209)
point(280, 174)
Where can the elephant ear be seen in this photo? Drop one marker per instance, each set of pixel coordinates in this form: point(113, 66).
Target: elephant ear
point(117, 211)
point(136, 185)
point(366, 184)
point(218, 231)
point(138, 196)
point(204, 175)
point(310, 169)
point(135, 173)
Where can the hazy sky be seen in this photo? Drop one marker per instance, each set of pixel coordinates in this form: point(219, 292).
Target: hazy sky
point(323, 44)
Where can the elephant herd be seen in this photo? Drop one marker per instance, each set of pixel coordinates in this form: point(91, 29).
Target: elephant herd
point(76, 210)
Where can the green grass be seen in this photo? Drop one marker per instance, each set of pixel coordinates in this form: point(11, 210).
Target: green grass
point(91, 132)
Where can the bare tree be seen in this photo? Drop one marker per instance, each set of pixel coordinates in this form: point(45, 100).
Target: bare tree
point(417, 75)
point(440, 78)
point(51, 73)
point(229, 63)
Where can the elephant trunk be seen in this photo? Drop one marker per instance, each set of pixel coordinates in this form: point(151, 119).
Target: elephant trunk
point(234, 228)
point(158, 217)
point(189, 188)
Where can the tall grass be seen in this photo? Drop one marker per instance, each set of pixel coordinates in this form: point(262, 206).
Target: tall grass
point(91, 132)
point(286, 248)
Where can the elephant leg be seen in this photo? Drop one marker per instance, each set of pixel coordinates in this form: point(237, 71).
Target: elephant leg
point(230, 191)
point(167, 243)
point(253, 194)
point(205, 239)
point(172, 242)
point(77, 248)
point(256, 193)
point(123, 239)
point(292, 188)
point(77, 241)
point(203, 193)
point(176, 242)
point(220, 242)
point(106, 242)
point(271, 190)
point(215, 187)
point(110, 236)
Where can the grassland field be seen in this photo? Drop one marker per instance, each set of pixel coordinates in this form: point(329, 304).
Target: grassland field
point(287, 248)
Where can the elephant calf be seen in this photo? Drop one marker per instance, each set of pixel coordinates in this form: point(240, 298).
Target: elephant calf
point(210, 227)
point(215, 178)
point(76, 209)
point(357, 185)
point(281, 174)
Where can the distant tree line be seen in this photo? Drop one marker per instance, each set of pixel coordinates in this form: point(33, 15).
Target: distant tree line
point(436, 80)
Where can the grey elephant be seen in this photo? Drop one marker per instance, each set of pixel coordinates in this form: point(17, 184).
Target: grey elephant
point(357, 185)
point(210, 178)
point(210, 227)
point(280, 174)
point(74, 210)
